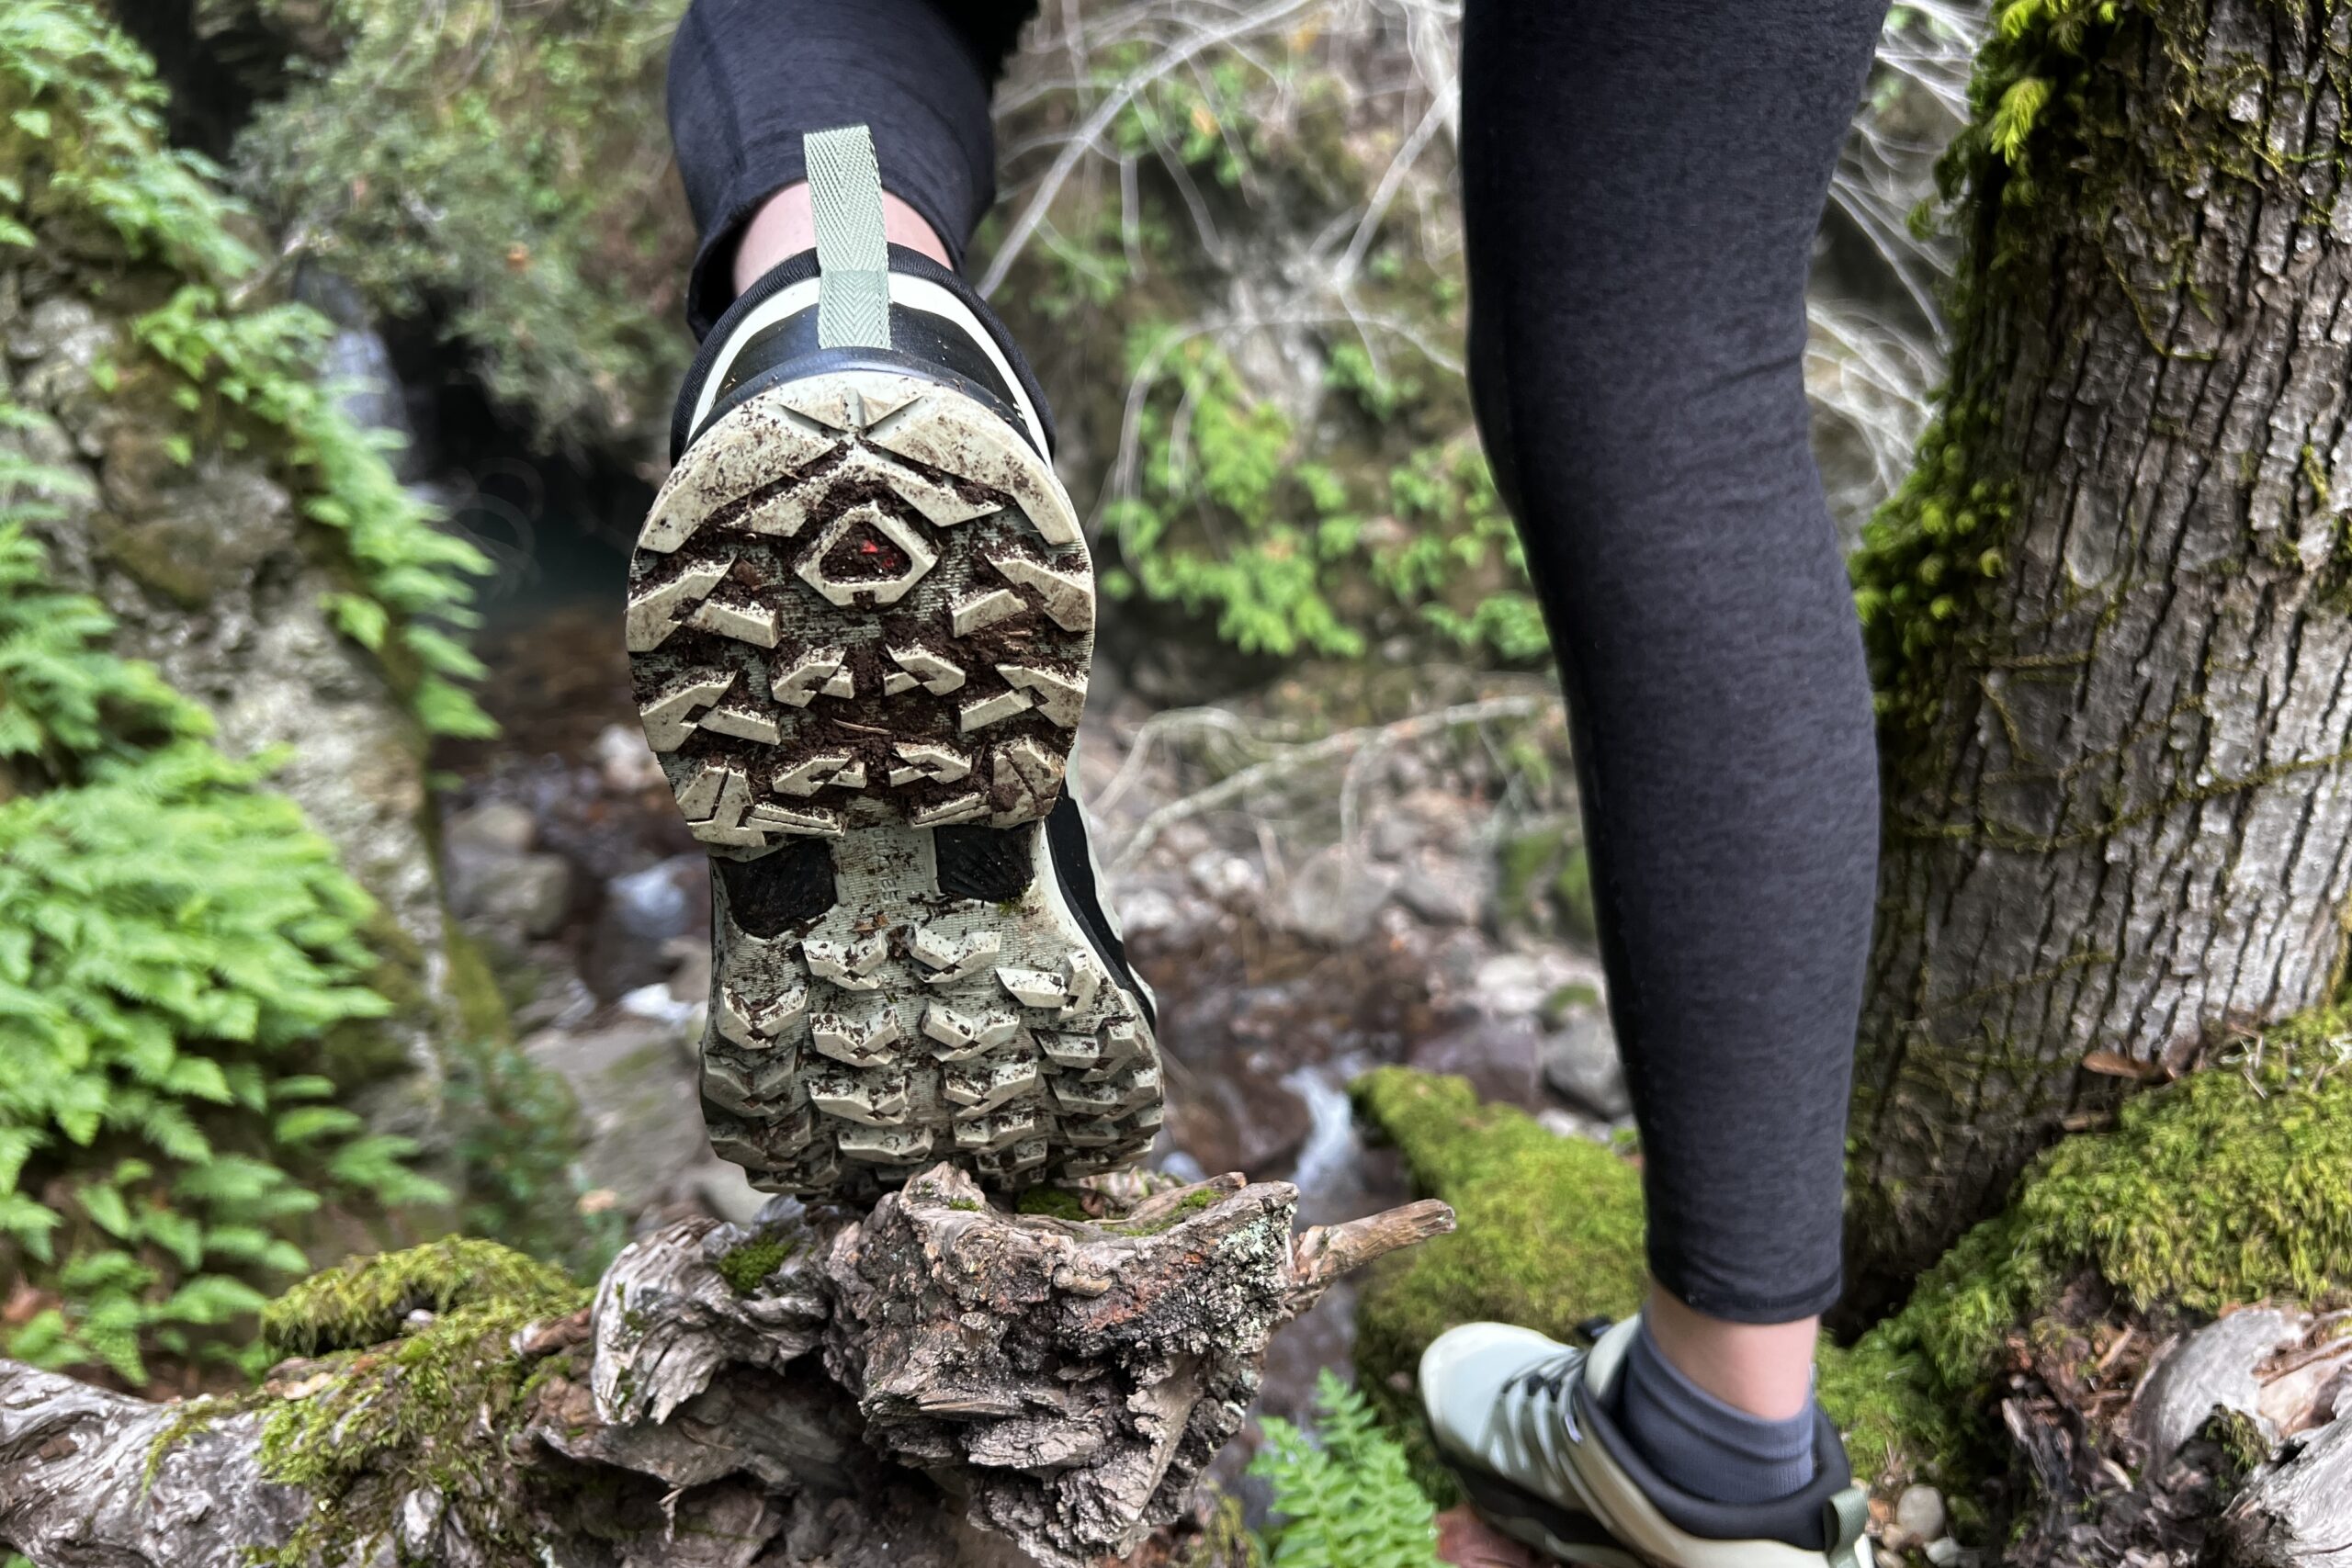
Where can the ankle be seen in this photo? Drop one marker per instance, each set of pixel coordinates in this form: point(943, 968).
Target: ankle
point(786, 225)
point(1698, 1444)
point(1764, 1370)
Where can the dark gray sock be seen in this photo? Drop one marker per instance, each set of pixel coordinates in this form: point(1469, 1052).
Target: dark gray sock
point(1705, 1447)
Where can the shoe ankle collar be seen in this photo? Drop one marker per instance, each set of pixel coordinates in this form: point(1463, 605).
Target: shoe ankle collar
point(1805, 1530)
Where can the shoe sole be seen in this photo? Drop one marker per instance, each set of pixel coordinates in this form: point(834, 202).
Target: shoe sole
point(860, 619)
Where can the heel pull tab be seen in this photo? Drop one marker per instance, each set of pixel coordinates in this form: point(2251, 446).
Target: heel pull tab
point(852, 256)
point(1846, 1520)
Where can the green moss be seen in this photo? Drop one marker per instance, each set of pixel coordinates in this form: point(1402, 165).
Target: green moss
point(1058, 1202)
point(1569, 998)
point(744, 1266)
point(410, 1418)
point(1902, 1423)
point(482, 1007)
point(394, 1419)
point(1544, 876)
point(367, 1301)
point(1928, 560)
point(1192, 1203)
point(1224, 1541)
point(1572, 889)
point(2097, 129)
point(1525, 862)
point(2239, 1438)
point(1550, 1231)
point(193, 1416)
point(2225, 1187)
point(1551, 1234)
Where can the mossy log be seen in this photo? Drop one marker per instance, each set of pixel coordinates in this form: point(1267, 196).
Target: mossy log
point(2109, 610)
point(935, 1383)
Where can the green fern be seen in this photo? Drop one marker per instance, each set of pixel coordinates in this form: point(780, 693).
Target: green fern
point(1343, 1494)
point(173, 939)
point(86, 169)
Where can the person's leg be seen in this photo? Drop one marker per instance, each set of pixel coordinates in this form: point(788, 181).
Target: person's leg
point(749, 78)
point(1642, 185)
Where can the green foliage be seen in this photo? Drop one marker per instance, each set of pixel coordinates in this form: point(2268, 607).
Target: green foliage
point(505, 171)
point(1203, 119)
point(1262, 572)
point(366, 1301)
point(513, 1129)
point(1223, 518)
point(405, 1418)
point(173, 939)
point(1375, 518)
point(91, 177)
point(1343, 1493)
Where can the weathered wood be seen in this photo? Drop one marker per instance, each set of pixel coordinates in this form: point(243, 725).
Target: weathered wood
point(2298, 1513)
point(1059, 1383)
point(2118, 822)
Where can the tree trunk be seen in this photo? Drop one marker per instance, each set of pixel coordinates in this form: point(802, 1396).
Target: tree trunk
point(2109, 610)
point(1060, 1382)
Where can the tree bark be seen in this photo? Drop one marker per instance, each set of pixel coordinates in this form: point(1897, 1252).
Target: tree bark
point(934, 1383)
point(2118, 827)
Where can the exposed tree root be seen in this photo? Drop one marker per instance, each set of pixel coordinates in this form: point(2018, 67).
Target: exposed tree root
point(738, 1397)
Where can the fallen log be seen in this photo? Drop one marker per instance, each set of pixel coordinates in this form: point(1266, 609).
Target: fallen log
point(938, 1383)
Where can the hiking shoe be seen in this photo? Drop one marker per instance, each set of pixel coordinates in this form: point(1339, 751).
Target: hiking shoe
point(1523, 1423)
point(860, 620)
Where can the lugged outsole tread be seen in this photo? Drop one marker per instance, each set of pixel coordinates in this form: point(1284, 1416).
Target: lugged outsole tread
point(860, 612)
point(889, 621)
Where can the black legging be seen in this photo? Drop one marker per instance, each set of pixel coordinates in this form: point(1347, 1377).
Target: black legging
point(1642, 183)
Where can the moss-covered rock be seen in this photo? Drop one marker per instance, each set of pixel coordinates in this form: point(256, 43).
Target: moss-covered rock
point(367, 1301)
point(2226, 1188)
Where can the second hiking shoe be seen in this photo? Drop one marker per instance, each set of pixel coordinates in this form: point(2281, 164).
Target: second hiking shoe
point(860, 620)
point(1525, 1424)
